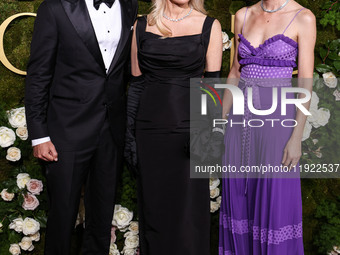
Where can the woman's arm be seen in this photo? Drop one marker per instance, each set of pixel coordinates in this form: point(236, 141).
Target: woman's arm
point(135, 71)
point(234, 73)
point(306, 41)
point(215, 49)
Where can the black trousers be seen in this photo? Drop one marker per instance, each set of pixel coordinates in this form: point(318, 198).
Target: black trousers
point(99, 167)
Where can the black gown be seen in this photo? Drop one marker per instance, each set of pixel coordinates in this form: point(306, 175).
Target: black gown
point(174, 210)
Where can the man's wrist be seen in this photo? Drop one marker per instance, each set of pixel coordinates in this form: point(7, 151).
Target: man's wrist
point(40, 140)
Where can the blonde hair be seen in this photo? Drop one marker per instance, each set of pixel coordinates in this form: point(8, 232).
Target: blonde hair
point(158, 8)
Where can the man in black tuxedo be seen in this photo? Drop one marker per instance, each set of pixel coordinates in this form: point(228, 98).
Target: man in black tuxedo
point(75, 109)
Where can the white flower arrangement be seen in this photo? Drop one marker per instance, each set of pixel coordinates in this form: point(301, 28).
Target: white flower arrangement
point(226, 42)
point(122, 221)
point(334, 251)
point(319, 117)
point(214, 193)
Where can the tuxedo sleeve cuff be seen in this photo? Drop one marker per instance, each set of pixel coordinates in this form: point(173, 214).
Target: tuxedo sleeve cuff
point(40, 140)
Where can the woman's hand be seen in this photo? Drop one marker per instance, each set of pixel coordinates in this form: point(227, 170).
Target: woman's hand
point(292, 153)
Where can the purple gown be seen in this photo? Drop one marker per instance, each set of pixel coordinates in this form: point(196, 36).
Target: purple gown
point(261, 215)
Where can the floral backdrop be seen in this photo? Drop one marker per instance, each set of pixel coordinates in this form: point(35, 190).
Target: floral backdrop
point(23, 201)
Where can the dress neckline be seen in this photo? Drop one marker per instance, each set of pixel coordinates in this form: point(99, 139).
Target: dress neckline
point(180, 36)
point(270, 40)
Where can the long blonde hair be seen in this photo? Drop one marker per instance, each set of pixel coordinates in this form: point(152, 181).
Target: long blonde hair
point(158, 8)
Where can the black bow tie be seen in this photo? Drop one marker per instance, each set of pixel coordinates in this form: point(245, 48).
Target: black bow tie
point(109, 3)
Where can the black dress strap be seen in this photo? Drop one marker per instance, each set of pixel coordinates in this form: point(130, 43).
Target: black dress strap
point(206, 31)
point(140, 28)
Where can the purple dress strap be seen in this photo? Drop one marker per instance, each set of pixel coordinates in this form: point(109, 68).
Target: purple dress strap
point(293, 19)
point(244, 20)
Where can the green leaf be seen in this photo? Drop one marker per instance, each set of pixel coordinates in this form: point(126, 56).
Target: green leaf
point(323, 52)
point(337, 65)
point(323, 68)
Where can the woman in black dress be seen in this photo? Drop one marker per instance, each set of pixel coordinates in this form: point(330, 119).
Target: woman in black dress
point(174, 43)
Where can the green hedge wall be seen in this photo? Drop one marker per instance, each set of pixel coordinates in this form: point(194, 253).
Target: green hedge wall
point(319, 195)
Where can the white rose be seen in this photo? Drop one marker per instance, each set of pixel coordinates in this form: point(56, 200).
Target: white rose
point(218, 200)
point(35, 237)
point(315, 141)
point(26, 244)
point(113, 249)
point(17, 224)
point(6, 195)
point(314, 101)
point(330, 80)
point(213, 183)
point(13, 154)
point(336, 93)
point(7, 137)
point(14, 249)
point(320, 117)
point(22, 180)
point(214, 193)
point(131, 240)
point(30, 226)
point(226, 42)
point(134, 227)
point(214, 206)
point(17, 117)
point(129, 251)
point(22, 133)
point(337, 248)
point(121, 217)
point(306, 131)
point(1, 225)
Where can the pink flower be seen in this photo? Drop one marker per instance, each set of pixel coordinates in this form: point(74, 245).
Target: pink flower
point(113, 234)
point(35, 186)
point(30, 202)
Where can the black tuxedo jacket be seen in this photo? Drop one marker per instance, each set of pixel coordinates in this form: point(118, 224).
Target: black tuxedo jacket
point(68, 92)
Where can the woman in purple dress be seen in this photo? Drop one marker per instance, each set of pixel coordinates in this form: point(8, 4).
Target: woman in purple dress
point(264, 215)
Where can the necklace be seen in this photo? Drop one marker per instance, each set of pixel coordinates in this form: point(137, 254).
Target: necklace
point(271, 11)
point(179, 19)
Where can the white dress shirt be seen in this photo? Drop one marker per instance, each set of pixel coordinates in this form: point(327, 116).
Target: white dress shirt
point(107, 24)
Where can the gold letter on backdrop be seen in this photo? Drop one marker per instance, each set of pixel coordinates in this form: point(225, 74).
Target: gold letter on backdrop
point(3, 27)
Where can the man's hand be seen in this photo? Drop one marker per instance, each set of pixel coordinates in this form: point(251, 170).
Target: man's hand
point(45, 151)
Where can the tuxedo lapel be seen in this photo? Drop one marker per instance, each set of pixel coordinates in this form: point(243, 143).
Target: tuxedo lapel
point(126, 28)
point(78, 14)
